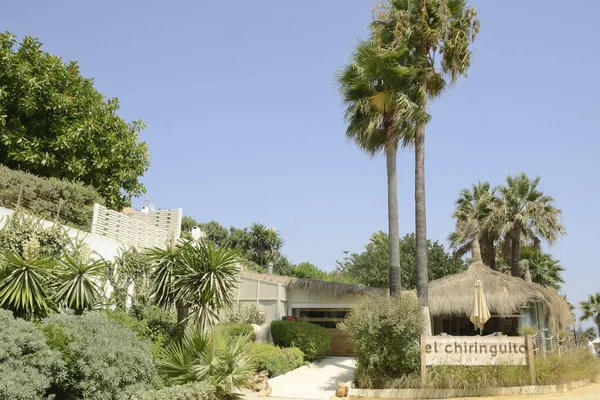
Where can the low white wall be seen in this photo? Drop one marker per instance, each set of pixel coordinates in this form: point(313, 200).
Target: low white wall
point(101, 246)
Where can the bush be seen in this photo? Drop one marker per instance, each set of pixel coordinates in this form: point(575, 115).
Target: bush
point(41, 197)
point(27, 364)
point(236, 330)
point(19, 229)
point(243, 314)
point(385, 332)
point(103, 359)
point(313, 340)
point(189, 391)
point(276, 360)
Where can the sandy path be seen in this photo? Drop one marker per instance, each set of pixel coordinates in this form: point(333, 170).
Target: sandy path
point(590, 392)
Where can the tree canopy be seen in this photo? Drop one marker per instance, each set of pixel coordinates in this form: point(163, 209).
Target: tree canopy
point(54, 123)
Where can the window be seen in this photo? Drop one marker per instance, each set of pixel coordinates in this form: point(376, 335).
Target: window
point(325, 317)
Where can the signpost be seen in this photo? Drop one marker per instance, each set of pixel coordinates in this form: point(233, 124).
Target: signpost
point(476, 350)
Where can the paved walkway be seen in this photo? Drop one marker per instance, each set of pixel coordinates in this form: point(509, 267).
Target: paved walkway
point(316, 381)
point(589, 392)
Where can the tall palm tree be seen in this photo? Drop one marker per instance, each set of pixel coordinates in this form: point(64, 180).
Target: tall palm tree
point(379, 114)
point(437, 35)
point(591, 309)
point(544, 269)
point(265, 243)
point(524, 213)
point(475, 205)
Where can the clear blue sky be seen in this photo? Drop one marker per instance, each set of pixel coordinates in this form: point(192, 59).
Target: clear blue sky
point(245, 124)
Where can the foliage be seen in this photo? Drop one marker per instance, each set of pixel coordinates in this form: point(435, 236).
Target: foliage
point(43, 197)
point(313, 340)
point(131, 267)
point(189, 391)
point(54, 123)
point(276, 360)
point(243, 314)
point(370, 267)
point(234, 329)
point(102, 359)
point(149, 323)
point(215, 357)
point(77, 282)
point(283, 266)
point(385, 332)
point(27, 365)
point(591, 333)
point(308, 271)
point(199, 278)
point(265, 244)
point(543, 268)
point(20, 228)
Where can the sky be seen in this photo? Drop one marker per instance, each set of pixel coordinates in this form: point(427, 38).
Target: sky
point(245, 124)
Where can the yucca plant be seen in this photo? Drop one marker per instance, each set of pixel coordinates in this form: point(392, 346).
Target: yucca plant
point(77, 282)
point(25, 283)
point(213, 356)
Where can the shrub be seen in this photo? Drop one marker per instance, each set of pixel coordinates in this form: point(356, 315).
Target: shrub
point(313, 340)
point(243, 314)
point(189, 391)
point(236, 330)
point(19, 229)
point(385, 332)
point(103, 359)
point(213, 357)
point(27, 364)
point(276, 360)
point(41, 196)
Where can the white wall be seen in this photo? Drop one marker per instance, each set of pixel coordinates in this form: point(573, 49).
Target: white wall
point(101, 246)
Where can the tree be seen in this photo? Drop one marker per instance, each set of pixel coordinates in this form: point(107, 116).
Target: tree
point(54, 123)
point(308, 271)
point(590, 309)
point(543, 268)
point(436, 35)
point(524, 213)
point(378, 116)
point(265, 244)
point(475, 205)
point(198, 279)
point(370, 267)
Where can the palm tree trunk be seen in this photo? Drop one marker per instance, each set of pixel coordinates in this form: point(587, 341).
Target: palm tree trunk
point(391, 151)
point(515, 249)
point(182, 314)
point(493, 257)
point(420, 216)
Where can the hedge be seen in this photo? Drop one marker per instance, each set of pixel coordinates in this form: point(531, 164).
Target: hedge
point(238, 329)
point(189, 391)
point(276, 360)
point(313, 340)
point(41, 197)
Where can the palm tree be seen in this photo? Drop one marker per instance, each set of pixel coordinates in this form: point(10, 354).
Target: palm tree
point(265, 243)
point(543, 268)
point(475, 205)
point(77, 282)
point(379, 115)
point(524, 213)
point(591, 309)
point(437, 35)
point(198, 279)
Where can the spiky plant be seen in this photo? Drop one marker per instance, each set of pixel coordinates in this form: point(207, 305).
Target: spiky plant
point(77, 282)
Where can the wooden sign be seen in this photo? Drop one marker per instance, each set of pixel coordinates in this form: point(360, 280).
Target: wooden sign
point(476, 350)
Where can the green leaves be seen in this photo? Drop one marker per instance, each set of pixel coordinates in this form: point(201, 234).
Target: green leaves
point(78, 283)
point(56, 124)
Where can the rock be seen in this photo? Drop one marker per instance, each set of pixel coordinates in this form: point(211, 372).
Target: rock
point(342, 390)
point(258, 386)
point(266, 392)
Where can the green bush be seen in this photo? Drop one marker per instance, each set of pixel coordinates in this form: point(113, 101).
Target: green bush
point(27, 364)
point(189, 391)
point(385, 332)
point(238, 329)
point(41, 197)
point(313, 340)
point(243, 314)
point(103, 359)
point(19, 229)
point(276, 360)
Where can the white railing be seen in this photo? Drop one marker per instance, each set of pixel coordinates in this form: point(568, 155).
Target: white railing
point(126, 229)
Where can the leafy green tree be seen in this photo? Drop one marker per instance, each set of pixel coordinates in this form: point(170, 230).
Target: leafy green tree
point(590, 309)
point(524, 213)
point(543, 268)
point(54, 123)
point(265, 244)
point(434, 38)
point(212, 357)
point(308, 271)
point(283, 266)
point(215, 232)
point(370, 267)
point(198, 279)
point(590, 333)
